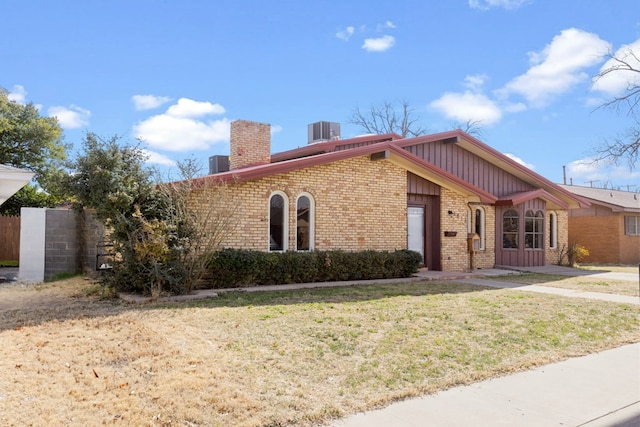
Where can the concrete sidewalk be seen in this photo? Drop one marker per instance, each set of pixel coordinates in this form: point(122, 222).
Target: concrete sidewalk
point(602, 389)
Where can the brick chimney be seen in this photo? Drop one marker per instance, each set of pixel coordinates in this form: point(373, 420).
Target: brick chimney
point(250, 144)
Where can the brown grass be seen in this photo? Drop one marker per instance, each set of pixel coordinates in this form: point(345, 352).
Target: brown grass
point(580, 283)
point(276, 358)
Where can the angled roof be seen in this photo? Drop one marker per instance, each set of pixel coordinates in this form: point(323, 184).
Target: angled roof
point(11, 180)
point(392, 146)
point(616, 200)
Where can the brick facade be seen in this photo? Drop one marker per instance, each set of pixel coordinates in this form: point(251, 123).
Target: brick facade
point(552, 255)
point(250, 144)
point(359, 204)
point(604, 237)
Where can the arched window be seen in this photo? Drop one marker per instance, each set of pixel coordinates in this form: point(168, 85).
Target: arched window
point(304, 222)
point(510, 229)
point(278, 226)
point(479, 221)
point(533, 230)
point(553, 230)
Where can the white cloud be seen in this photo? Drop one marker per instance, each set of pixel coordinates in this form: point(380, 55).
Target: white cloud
point(586, 171)
point(558, 67)
point(488, 4)
point(189, 108)
point(158, 159)
point(616, 82)
point(386, 25)
point(468, 106)
point(276, 129)
point(181, 127)
point(148, 102)
point(519, 160)
point(71, 117)
point(346, 33)
point(475, 82)
point(379, 44)
point(18, 94)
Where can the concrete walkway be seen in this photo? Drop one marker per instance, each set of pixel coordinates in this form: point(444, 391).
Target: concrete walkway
point(598, 390)
point(602, 389)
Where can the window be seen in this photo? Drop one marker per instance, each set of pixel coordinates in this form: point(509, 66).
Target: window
point(304, 223)
point(632, 225)
point(479, 226)
point(553, 230)
point(533, 230)
point(278, 230)
point(510, 229)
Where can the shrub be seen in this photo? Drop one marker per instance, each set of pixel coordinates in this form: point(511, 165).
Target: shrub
point(574, 254)
point(238, 267)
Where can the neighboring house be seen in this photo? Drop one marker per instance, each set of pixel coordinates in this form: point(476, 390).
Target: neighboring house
point(609, 228)
point(385, 192)
point(11, 180)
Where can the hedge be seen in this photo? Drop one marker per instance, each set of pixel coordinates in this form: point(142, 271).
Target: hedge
point(230, 268)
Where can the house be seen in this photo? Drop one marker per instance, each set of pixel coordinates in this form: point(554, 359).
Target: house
point(609, 228)
point(11, 180)
point(385, 192)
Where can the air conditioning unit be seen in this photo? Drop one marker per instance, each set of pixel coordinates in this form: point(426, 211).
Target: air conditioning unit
point(218, 164)
point(323, 131)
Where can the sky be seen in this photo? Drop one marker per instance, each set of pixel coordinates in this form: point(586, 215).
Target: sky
point(173, 74)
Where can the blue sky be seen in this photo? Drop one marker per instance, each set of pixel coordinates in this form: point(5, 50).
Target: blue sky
point(175, 73)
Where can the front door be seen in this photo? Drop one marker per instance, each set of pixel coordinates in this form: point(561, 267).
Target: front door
point(415, 229)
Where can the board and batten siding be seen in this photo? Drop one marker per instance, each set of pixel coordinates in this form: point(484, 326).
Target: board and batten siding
point(469, 167)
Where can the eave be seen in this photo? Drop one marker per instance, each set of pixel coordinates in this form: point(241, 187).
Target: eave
point(498, 159)
point(524, 196)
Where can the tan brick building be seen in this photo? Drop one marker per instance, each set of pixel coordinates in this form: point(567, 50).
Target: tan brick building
point(385, 192)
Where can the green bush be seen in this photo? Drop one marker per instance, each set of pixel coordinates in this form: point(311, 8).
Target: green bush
point(238, 267)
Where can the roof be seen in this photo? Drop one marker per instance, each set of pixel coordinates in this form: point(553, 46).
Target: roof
point(11, 180)
point(392, 146)
point(616, 200)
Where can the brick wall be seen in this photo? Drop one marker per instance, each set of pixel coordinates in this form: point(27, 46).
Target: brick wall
point(562, 219)
point(600, 235)
point(629, 246)
point(359, 204)
point(250, 143)
point(486, 258)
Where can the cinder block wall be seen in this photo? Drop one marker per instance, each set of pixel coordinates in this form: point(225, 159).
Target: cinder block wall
point(365, 211)
point(61, 243)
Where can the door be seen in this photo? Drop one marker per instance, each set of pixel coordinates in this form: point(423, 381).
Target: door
point(415, 229)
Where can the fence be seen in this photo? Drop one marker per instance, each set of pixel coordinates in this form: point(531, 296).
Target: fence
point(9, 238)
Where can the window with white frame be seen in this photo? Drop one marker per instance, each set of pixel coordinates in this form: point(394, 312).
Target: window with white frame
point(553, 230)
point(632, 225)
point(278, 224)
point(479, 223)
point(304, 222)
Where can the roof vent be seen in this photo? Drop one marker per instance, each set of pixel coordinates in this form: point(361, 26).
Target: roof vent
point(323, 131)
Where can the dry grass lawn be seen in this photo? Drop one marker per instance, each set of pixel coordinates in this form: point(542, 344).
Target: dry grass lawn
point(276, 358)
point(580, 283)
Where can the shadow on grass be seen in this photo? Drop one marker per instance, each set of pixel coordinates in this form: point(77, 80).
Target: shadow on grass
point(88, 307)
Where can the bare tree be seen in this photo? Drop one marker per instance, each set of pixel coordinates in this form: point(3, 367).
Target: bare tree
point(472, 127)
point(386, 118)
point(625, 146)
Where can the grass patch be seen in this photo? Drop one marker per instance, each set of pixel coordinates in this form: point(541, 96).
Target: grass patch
point(282, 358)
point(5, 263)
point(580, 283)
